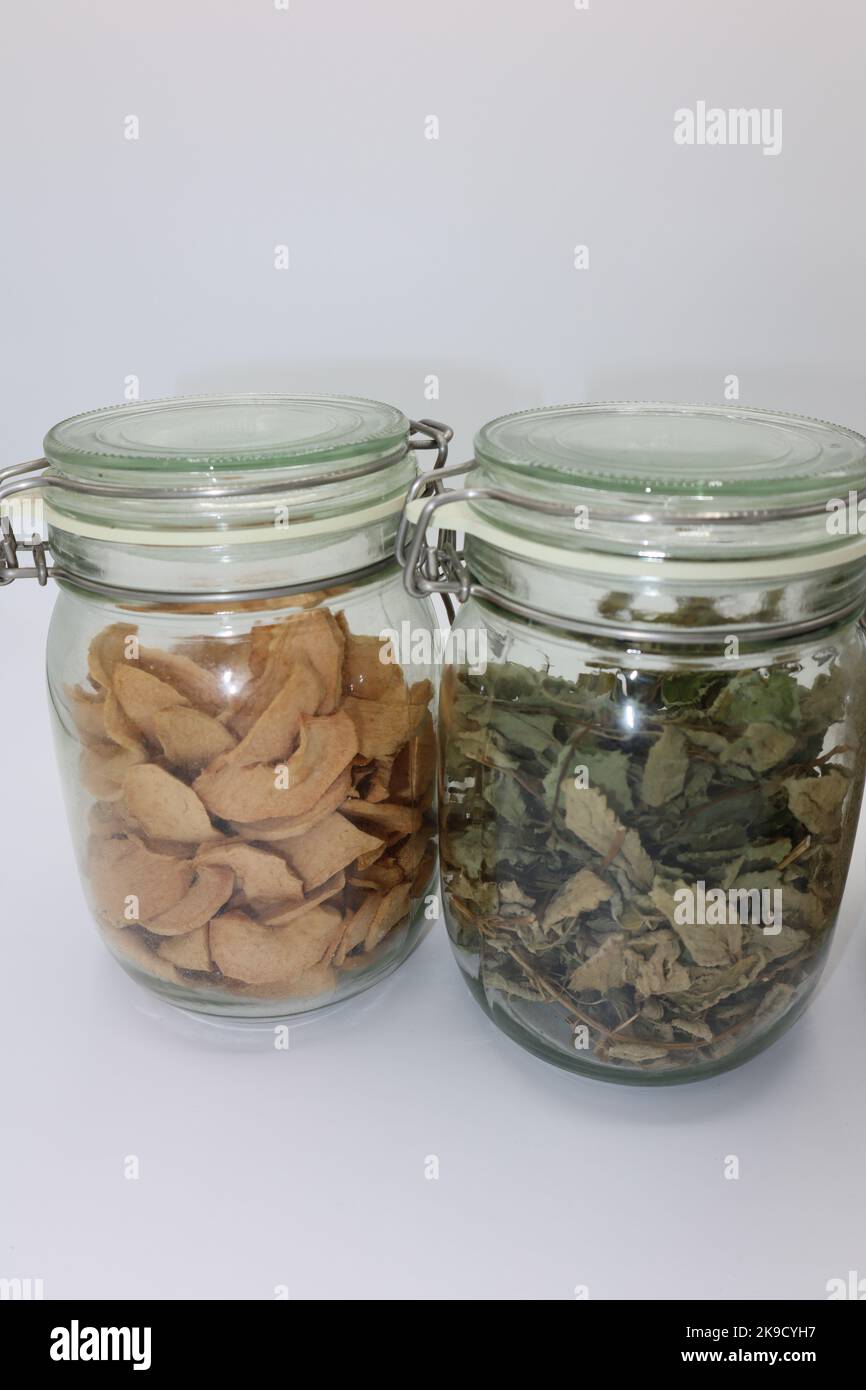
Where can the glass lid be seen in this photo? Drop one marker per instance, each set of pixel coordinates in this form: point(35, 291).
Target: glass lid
point(213, 433)
point(692, 451)
point(667, 479)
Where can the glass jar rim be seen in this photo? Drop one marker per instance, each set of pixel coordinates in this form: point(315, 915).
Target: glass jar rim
point(677, 482)
point(205, 470)
point(530, 505)
point(318, 481)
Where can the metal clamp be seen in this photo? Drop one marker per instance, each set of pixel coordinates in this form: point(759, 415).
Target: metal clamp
point(20, 478)
point(9, 547)
point(434, 435)
point(439, 437)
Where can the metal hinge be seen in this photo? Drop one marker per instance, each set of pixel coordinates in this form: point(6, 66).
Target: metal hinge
point(9, 547)
point(438, 436)
point(434, 435)
point(438, 568)
point(21, 478)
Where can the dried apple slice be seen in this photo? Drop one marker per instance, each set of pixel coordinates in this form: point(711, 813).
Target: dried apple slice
point(261, 878)
point(210, 890)
point(411, 853)
point(171, 849)
point(105, 820)
point(102, 773)
point(287, 912)
point(361, 770)
point(378, 787)
point(88, 713)
point(355, 928)
point(382, 727)
point(287, 828)
point(309, 984)
point(129, 883)
point(261, 638)
point(421, 692)
point(227, 658)
point(119, 727)
point(365, 675)
point(365, 860)
point(327, 745)
point(108, 648)
point(415, 764)
point(164, 808)
point(142, 696)
point(317, 638)
point(390, 909)
point(190, 952)
point(243, 950)
point(275, 733)
point(190, 739)
point(133, 948)
point(327, 848)
point(384, 815)
point(198, 687)
point(312, 638)
point(423, 873)
point(383, 875)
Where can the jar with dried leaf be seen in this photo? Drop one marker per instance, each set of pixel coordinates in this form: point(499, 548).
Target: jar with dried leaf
point(652, 779)
point(247, 752)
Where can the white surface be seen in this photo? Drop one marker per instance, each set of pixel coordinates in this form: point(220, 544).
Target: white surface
point(306, 1168)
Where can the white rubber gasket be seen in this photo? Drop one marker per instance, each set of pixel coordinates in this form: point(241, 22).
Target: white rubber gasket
point(242, 535)
point(460, 516)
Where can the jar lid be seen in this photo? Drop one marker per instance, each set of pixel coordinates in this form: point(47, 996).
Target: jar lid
point(216, 433)
point(288, 491)
point(188, 470)
point(703, 452)
point(667, 480)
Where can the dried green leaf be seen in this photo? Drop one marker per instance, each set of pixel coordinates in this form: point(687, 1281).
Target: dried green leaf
point(665, 772)
point(588, 816)
point(817, 801)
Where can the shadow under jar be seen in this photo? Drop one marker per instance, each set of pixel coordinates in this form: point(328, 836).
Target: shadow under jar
point(246, 753)
point(651, 728)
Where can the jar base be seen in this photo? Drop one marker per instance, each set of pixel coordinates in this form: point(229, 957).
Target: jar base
point(531, 1042)
point(234, 1008)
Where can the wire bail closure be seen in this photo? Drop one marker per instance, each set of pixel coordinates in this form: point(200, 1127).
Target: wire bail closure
point(441, 568)
point(12, 481)
point(36, 476)
point(9, 547)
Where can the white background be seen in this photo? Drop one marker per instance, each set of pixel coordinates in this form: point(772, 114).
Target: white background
point(408, 257)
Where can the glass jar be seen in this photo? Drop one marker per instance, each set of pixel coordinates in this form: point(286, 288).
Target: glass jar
point(652, 727)
point(246, 745)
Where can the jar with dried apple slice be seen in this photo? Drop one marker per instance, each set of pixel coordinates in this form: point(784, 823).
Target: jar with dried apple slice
point(248, 761)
